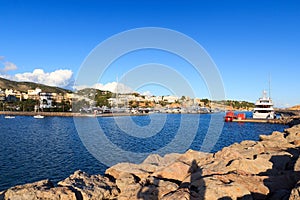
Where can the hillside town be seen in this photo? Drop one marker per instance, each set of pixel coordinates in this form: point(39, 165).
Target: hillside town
point(32, 99)
point(96, 101)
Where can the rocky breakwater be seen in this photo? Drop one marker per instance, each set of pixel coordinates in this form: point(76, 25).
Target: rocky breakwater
point(267, 169)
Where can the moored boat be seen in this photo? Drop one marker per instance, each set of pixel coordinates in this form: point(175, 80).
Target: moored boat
point(264, 108)
point(9, 117)
point(230, 116)
point(38, 116)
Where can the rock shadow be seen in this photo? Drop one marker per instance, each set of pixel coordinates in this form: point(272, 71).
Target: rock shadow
point(149, 191)
point(197, 185)
point(283, 176)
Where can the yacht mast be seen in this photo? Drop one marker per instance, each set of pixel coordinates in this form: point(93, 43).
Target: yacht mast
point(117, 96)
point(269, 85)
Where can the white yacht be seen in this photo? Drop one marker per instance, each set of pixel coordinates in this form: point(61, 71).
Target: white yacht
point(264, 108)
point(9, 117)
point(38, 116)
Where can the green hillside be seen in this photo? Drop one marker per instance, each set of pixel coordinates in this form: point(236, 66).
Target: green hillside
point(24, 86)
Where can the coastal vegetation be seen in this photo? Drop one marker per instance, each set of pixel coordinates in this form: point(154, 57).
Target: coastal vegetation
point(236, 105)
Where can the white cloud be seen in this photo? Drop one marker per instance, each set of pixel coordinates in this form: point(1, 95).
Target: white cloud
point(59, 78)
point(112, 87)
point(6, 76)
point(147, 93)
point(9, 66)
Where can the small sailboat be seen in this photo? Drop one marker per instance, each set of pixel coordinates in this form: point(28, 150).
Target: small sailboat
point(9, 117)
point(38, 116)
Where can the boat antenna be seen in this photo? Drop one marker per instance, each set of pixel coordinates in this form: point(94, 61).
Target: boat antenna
point(270, 85)
point(117, 96)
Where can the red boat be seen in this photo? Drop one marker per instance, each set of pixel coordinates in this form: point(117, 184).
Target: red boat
point(230, 116)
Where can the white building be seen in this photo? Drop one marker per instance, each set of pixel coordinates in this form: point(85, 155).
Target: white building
point(46, 100)
point(155, 99)
point(170, 99)
point(33, 94)
point(9, 92)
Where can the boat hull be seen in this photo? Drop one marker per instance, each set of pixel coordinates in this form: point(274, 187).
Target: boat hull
point(265, 115)
point(9, 117)
point(38, 117)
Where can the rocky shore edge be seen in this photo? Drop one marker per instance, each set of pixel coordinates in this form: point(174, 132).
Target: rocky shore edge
point(265, 169)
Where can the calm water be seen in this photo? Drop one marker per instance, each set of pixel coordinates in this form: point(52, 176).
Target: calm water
point(34, 149)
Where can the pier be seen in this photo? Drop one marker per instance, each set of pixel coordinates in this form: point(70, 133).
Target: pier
point(272, 121)
point(284, 120)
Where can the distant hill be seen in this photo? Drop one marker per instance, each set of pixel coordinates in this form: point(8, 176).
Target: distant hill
point(297, 107)
point(24, 86)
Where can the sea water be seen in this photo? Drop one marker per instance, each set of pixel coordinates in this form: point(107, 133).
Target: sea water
point(35, 149)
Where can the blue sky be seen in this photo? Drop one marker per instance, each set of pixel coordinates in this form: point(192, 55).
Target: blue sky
point(247, 40)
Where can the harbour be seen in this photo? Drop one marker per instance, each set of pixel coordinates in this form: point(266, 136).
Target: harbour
point(51, 147)
point(263, 112)
point(149, 100)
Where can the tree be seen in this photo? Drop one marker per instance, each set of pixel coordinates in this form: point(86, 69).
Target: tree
point(29, 104)
point(183, 98)
point(206, 102)
point(101, 98)
point(133, 104)
point(102, 101)
point(163, 103)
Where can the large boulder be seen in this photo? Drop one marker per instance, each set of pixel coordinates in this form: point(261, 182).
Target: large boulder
point(90, 187)
point(157, 160)
point(39, 190)
point(252, 183)
point(125, 180)
point(154, 189)
point(177, 171)
point(192, 156)
point(213, 188)
point(275, 142)
point(256, 166)
point(180, 194)
point(140, 170)
point(130, 191)
point(162, 186)
point(293, 135)
point(248, 149)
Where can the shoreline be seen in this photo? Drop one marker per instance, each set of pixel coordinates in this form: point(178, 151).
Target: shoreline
point(66, 114)
point(289, 120)
point(264, 169)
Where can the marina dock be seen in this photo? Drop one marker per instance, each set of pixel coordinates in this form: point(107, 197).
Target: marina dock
point(285, 120)
point(272, 121)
